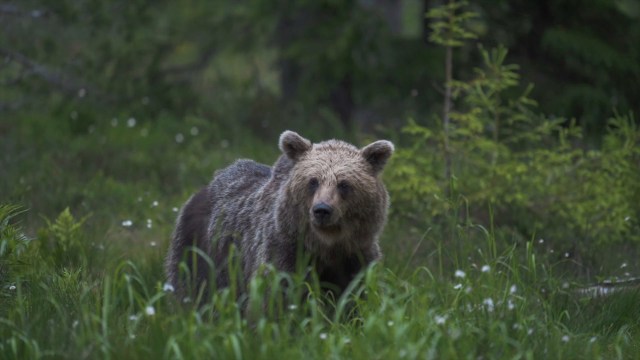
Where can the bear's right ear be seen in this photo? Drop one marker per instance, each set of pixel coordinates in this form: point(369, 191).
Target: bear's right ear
point(293, 145)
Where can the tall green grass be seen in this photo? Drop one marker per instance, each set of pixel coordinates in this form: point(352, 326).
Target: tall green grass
point(87, 281)
point(63, 296)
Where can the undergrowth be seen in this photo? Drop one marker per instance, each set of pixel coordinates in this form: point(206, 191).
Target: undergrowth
point(504, 302)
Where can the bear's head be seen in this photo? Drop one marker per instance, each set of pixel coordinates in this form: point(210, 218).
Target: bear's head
point(334, 190)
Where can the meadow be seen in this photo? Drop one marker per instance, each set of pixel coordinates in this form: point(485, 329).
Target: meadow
point(84, 235)
point(507, 218)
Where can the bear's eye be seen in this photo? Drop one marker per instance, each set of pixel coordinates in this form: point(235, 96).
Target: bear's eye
point(344, 188)
point(313, 184)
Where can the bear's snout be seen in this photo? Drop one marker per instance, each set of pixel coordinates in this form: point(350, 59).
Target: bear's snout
point(322, 213)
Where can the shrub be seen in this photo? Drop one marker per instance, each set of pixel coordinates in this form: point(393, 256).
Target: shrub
point(532, 171)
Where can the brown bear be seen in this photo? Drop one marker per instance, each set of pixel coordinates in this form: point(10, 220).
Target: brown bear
point(325, 201)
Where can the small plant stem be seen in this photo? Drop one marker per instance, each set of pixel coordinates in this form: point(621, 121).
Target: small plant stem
point(448, 65)
point(446, 111)
point(496, 131)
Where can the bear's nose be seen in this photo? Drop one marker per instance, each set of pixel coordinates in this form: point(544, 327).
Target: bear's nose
point(322, 212)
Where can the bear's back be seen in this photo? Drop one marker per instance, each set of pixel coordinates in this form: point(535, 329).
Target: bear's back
point(233, 191)
point(242, 177)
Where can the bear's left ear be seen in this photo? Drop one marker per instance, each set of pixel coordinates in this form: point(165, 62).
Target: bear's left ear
point(293, 145)
point(377, 154)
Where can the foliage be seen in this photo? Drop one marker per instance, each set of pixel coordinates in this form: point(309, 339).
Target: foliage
point(121, 110)
point(116, 165)
point(14, 249)
point(532, 171)
point(448, 25)
point(448, 31)
point(508, 304)
point(579, 71)
point(89, 62)
point(63, 241)
point(13, 241)
point(267, 66)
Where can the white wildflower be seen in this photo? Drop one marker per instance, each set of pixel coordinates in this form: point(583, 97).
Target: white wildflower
point(460, 274)
point(167, 287)
point(440, 320)
point(150, 310)
point(486, 268)
point(127, 223)
point(488, 304)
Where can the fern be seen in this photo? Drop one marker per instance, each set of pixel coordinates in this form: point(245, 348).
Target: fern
point(64, 242)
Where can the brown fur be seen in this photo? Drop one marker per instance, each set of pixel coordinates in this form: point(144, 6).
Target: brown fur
point(327, 198)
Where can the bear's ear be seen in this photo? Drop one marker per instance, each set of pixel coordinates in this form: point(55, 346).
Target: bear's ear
point(377, 154)
point(293, 145)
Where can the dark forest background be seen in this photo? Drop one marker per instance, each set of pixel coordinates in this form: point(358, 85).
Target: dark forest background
point(263, 65)
point(104, 103)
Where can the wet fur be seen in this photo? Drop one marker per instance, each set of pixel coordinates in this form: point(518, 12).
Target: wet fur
point(265, 213)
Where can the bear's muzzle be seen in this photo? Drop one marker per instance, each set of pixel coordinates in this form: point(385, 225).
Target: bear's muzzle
point(322, 214)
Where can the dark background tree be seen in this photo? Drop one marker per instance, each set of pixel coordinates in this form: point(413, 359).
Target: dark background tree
point(355, 62)
point(582, 55)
